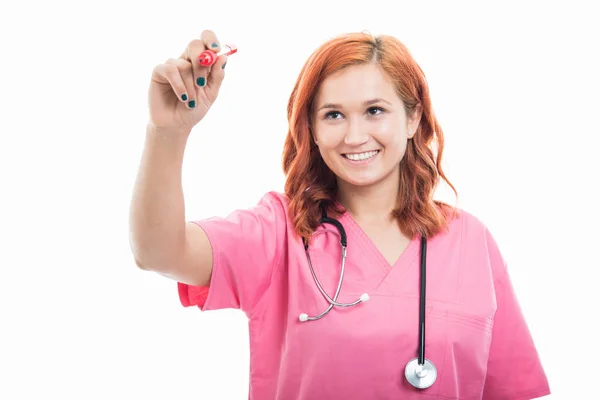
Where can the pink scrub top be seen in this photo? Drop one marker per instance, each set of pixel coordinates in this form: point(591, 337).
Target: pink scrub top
point(476, 334)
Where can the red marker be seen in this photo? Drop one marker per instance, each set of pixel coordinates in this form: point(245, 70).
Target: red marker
point(209, 57)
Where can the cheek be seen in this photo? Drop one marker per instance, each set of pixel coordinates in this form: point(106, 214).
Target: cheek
point(388, 128)
point(329, 136)
point(388, 132)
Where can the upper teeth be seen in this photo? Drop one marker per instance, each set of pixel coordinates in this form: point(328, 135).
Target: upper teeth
point(362, 156)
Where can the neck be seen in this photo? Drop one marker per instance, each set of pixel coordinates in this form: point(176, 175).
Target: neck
point(372, 203)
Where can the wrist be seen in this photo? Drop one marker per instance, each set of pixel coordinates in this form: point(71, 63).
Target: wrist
point(167, 132)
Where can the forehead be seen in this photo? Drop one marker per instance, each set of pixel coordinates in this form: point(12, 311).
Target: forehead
point(357, 83)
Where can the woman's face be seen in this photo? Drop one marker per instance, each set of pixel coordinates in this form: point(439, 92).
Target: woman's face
point(360, 125)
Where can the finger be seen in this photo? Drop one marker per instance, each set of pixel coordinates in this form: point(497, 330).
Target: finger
point(211, 41)
point(169, 73)
point(191, 54)
point(186, 75)
point(215, 78)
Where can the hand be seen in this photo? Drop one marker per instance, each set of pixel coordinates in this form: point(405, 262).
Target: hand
point(182, 91)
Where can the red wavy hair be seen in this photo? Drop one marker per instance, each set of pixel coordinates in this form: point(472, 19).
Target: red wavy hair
point(311, 184)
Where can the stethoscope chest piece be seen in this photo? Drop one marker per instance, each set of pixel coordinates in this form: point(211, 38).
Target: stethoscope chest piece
point(420, 376)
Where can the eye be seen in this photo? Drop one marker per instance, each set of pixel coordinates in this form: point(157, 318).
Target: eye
point(375, 110)
point(332, 115)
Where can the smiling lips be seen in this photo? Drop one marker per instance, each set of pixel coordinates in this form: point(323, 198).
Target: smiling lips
point(361, 156)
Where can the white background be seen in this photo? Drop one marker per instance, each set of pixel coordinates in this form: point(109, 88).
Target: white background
point(515, 88)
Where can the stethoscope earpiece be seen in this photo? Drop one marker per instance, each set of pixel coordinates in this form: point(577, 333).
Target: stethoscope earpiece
point(363, 297)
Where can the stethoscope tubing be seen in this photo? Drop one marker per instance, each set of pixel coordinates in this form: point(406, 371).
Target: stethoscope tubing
point(422, 300)
point(420, 372)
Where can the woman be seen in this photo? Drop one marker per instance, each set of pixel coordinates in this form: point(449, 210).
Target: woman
point(359, 151)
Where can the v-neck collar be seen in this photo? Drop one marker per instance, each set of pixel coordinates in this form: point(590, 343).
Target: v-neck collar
point(365, 243)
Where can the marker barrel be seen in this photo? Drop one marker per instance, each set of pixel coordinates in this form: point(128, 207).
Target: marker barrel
point(209, 57)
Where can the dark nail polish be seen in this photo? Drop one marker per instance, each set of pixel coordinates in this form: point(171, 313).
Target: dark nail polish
point(214, 45)
point(184, 97)
point(200, 81)
point(192, 103)
point(223, 66)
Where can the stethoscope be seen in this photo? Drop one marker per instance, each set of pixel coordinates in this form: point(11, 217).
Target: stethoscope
point(420, 372)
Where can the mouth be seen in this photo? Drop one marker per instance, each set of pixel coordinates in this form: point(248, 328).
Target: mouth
point(361, 157)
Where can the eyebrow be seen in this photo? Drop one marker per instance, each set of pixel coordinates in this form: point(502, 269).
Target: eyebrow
point(366, 103)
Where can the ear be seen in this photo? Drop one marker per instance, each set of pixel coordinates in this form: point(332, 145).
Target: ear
point(312, 134)
point(414, 120)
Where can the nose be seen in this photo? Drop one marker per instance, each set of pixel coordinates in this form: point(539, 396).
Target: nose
point(356, 134)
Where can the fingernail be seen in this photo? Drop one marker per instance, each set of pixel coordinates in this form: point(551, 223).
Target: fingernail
point(192, 103)
point(184, 97)
point(200, 81)
point(215, 45)
point(223, 66)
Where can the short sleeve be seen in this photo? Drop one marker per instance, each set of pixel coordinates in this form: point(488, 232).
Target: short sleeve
point(514, 368)
point(246, 246)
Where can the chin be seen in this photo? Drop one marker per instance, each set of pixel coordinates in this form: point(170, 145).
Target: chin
point(362, 181)
point(367, 177)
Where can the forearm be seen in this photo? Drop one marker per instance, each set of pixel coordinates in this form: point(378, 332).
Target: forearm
point(157, 210)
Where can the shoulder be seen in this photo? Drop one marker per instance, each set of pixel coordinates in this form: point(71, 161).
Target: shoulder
point(471, 230)
point(476, 239)
point(275, 197)
point(276, 202)
point(271, 209)
point(273, 206)
point(477, 230)
point(467, 224)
